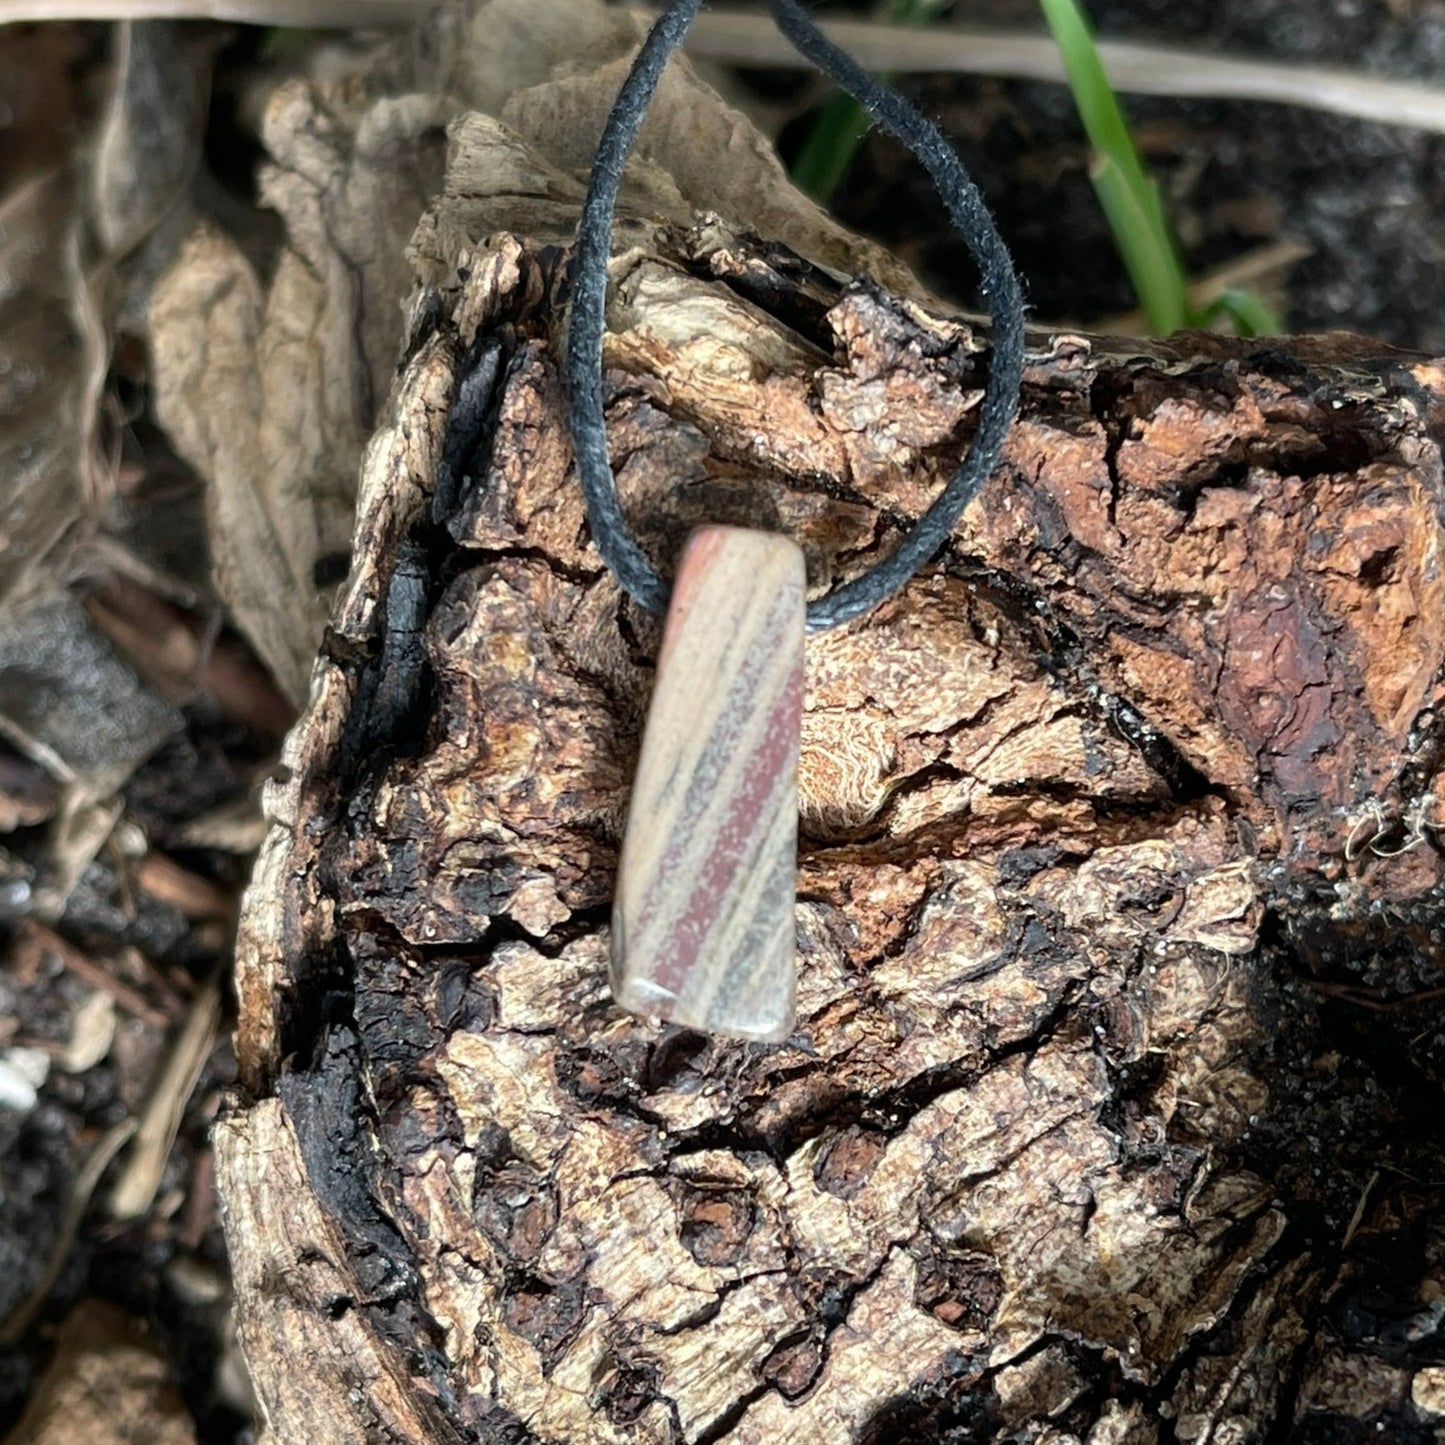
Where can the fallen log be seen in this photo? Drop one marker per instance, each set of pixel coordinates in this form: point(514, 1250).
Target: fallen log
point(1119, 894)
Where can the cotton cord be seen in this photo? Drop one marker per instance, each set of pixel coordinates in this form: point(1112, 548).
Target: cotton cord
point(589, 297)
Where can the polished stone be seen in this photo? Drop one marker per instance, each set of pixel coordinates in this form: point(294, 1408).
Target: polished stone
point(703, 918)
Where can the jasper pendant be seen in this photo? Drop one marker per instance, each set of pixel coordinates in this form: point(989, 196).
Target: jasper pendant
point(702, 925)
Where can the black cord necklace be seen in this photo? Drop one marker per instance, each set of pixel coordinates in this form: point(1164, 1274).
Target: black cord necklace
point(594, 246)
point(703, 920)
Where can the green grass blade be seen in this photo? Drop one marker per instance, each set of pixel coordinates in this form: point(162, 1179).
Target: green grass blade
point(912, 12)
point(1143, 246)
point(1129, 198)
point(1250, 315)
point(832, 145)
point(1098, 107)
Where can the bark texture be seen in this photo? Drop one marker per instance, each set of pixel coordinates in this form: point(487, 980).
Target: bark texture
point(1120, 1033)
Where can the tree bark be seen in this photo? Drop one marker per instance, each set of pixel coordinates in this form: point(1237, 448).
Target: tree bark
point(1112, 1111)
point(1080, 1135)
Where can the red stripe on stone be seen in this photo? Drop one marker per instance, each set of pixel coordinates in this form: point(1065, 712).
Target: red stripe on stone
point(684, 940)
point(718, 875)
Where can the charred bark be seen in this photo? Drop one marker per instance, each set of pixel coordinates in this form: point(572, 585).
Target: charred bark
point(1118, 918)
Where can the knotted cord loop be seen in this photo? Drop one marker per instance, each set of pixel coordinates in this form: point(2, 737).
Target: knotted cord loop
point(594, 245)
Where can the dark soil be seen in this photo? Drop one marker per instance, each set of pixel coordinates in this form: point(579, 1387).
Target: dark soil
point(169, 1267)
point(1369, 200)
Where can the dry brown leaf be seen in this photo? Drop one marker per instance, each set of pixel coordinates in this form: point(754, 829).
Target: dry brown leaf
point(550, 76)
point(50, 366)
point(150, 137)
point(65, 697)
point(711, 153)
point(272, 395)
point(495, 182)
point(206, 321)
point(499, 47)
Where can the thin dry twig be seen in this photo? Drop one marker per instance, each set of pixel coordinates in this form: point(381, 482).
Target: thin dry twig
point(1246, 271)
point(188, 893)
point(136, 1188)
point(35, 935)
point(1255, 270)
point(1357, 1218)
point(319, 14)
point(1368, 998)
point(750, 38)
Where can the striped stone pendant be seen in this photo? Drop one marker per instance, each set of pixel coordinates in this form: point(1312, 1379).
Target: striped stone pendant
point(702, 926)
